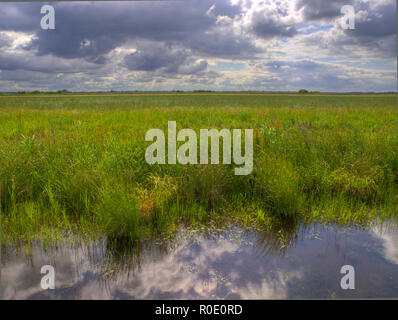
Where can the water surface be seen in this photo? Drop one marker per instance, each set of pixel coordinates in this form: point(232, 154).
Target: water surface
point(229, 264)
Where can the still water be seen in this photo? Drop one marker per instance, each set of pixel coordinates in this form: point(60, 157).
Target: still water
point(228, 264)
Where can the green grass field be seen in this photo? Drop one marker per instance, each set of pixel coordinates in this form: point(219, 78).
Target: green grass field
point(75, 164)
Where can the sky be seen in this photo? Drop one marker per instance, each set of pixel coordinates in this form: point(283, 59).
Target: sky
point(221, 45)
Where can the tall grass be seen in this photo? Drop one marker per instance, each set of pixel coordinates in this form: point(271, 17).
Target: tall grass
point(76, 164)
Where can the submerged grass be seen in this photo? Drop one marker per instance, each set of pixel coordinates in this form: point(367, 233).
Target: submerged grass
point(76, 164)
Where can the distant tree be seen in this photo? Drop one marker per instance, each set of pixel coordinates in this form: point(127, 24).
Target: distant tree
point(64, 91)
point(303, 91)
point(35, 92)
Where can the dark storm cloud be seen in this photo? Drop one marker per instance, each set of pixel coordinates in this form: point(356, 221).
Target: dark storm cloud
point(321, 9)
point(222, 44)
point(168, 59)
point(93, 30)
point(380, 23)
point(375, 32)
point(26, 75)
point(155, 58)
point(50, 64)
point(20, 16)
point(268, 28)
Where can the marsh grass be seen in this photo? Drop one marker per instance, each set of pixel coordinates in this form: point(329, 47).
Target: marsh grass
point(76, 164)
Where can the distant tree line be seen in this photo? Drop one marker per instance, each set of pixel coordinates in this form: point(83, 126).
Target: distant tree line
point(64, 91)
point(304, 91)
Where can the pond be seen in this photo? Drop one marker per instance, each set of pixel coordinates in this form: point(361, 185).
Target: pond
point(234, 263)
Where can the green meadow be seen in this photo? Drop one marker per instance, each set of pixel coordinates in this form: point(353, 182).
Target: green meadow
point(75, 164)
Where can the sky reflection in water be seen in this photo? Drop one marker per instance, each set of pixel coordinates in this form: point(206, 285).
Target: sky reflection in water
point(234, 264)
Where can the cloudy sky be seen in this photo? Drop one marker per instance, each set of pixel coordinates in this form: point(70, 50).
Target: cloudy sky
point(271, 45)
